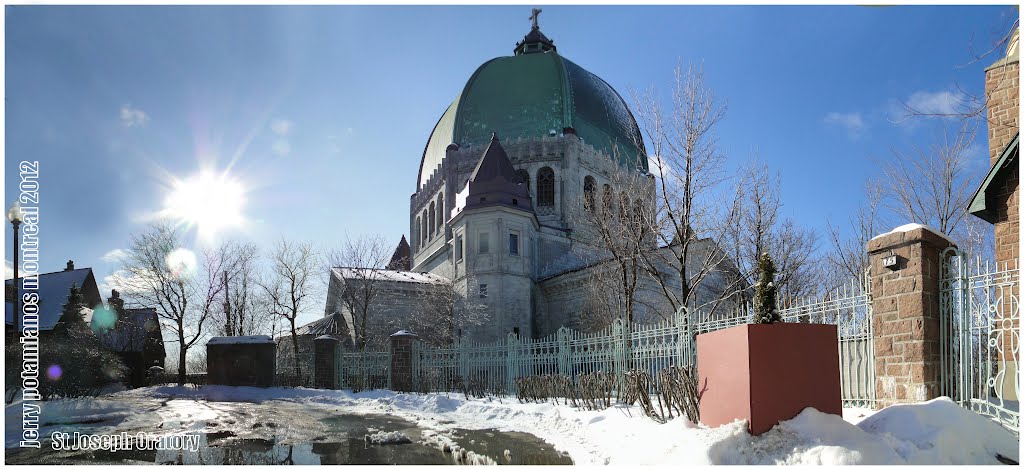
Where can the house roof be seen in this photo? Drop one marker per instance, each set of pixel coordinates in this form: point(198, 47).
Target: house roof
point(130, 334)
point(981, 202)
point(53, 294)
point(331, 325)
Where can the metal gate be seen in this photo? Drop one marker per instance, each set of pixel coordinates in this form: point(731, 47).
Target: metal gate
point(980, 344)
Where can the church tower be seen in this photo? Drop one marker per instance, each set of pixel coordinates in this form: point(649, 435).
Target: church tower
point(493, 227)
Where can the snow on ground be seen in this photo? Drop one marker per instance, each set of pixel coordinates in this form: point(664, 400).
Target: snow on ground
point(933, 432)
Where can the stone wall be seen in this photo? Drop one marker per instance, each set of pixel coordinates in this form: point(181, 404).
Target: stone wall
point(1002, 90)
point(905, 304)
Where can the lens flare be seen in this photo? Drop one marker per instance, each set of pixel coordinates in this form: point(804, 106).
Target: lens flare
point(103, 319)
point(210, 201)
point(54, 372)
point(181, 263)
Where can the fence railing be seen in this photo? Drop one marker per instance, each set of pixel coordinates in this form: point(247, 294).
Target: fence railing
point(494, 367)
point(362, 370)
point(980, 345)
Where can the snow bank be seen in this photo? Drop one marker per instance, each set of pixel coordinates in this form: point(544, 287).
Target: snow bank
point(933, 432)
point(941, 432)
point(909, 227)
point(384, 438)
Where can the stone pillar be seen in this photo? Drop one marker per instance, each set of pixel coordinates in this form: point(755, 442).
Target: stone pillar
point(905, 309)
point(401, 361)
point(325, 365)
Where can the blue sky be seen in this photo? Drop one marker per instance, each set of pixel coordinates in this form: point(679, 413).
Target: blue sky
point(322, 112)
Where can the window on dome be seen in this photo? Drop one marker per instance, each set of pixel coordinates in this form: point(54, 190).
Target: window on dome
point(416, 233)
point(458, 248)
point(440, 213)
point(433, 219)
point(423, 228)
point(589, 186)
point(524, 176)
point(546, 187)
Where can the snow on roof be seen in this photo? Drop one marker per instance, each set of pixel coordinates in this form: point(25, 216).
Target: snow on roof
point(389, 275)
point(53, 294)
point(255, 339)
point(909, 227)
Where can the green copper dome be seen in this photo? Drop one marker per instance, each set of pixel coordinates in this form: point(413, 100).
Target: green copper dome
point(531, 95)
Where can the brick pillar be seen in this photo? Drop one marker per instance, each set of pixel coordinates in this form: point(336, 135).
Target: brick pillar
point(325, 366)
point(905, 309)
point(401, 361)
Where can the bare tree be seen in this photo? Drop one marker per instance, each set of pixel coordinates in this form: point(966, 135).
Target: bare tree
point(693, 203)
point(242, 312)
point(760, 229)
point(157, 279)
point(614, 230)
point(363, 258)
point(288, 284)
point(962, 104)
point(445, 312)
point(848, 258)
point(932, 186)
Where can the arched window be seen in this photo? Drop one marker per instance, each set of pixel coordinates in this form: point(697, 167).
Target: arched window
point(416, 234)
point(607, 198)
point(440, 213)
point(546, 187)
point(589, 186)
point(433, 219)
point(524, 176)
point(423, 228)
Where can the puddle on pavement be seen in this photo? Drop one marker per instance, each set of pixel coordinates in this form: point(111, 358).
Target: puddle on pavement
point(342, 443)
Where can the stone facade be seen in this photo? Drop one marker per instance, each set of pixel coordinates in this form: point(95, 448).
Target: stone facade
point(905, 304)
point(1002, 91)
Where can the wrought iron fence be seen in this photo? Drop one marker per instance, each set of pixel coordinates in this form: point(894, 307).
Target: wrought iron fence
point(494, 367)
point(286, 374)
point(363, 370)
point(980, 345)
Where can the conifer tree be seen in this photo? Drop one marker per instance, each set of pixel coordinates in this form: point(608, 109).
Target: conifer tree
point(765, 296)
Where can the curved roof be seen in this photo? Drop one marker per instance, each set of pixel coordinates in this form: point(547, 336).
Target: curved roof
point(535, 95)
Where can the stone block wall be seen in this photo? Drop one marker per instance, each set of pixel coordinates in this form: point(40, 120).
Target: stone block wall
point(1002, 91)
point(905, 304)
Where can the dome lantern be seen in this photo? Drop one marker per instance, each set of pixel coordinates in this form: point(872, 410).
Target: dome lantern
point(535, 41)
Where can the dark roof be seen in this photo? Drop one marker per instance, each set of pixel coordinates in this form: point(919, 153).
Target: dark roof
point(333, 325)
point(53, 294)
point(129, 334)
point(401, 259)
point(495, 182)
point(983, 203)
point(534, 42)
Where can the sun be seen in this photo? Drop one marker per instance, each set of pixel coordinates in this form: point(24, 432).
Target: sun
point(212, 202)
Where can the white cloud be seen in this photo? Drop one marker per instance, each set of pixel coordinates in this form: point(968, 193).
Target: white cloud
point(657, 167)
point(281, 127)
point(852, 122)
point(131, 117)
point(8, 270)
point(114, 256)
point(123, 281)
point(939, 102)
